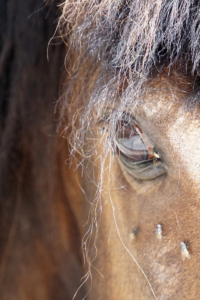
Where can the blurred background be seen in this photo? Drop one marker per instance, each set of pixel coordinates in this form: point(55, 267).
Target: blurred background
point(38, 259)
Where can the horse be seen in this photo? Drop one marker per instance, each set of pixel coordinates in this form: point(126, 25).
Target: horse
point(104, 201)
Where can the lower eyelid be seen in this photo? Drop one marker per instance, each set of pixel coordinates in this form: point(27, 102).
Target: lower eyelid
point(144, 171)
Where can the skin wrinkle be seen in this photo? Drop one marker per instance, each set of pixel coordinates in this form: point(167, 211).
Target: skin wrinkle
point(177, 191)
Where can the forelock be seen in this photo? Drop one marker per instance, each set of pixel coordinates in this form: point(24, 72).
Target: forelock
point(136, 36)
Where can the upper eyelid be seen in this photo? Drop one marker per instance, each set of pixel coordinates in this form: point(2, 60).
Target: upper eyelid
point(108, 114)
point(109, 119)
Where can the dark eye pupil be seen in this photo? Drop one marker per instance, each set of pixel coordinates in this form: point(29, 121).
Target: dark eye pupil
point(130, 144)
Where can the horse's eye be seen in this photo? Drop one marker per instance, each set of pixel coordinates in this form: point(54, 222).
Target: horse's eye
point(133, 144)
point(135, 151)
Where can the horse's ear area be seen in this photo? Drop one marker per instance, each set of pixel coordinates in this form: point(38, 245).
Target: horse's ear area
point(39, 236)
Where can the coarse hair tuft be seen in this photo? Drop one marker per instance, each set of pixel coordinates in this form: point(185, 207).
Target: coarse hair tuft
point(117, 47)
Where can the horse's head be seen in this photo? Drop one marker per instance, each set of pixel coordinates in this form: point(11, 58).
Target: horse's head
point(137, 92)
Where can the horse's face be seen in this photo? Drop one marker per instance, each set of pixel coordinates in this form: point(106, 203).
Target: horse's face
point(148, 237)
point(151, 257)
